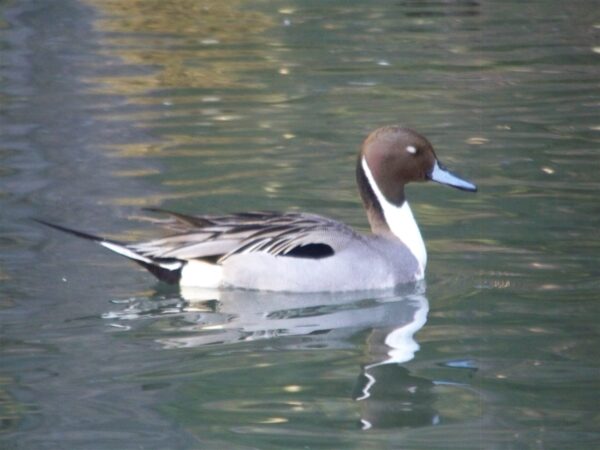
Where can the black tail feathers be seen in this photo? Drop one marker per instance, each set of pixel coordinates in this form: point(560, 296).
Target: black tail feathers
point(165, 269)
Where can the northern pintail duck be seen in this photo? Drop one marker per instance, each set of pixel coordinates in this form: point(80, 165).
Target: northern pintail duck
point(303, 252)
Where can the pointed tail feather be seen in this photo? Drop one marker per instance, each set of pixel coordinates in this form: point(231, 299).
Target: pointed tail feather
point(77, 233)
point(165, 269)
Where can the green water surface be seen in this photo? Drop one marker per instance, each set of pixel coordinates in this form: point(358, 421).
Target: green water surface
point(110, 106)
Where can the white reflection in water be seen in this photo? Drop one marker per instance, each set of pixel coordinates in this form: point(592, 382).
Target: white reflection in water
point(388, 320)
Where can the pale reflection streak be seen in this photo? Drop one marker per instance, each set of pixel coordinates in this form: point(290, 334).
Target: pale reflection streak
point(399, 345)
point(257, 315)
point(387, 391)
point(145, 34)
point(181, 66)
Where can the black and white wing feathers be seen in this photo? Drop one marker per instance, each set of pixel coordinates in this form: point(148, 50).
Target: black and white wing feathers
point(218, 238)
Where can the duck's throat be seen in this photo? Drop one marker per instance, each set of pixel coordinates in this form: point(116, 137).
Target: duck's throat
point(386, 217)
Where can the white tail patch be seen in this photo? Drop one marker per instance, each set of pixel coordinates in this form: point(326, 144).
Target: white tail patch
point(124, 251)
point(127, 253)
point(201, 274)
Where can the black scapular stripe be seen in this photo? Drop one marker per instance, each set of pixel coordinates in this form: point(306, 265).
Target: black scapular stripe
point(311, 251)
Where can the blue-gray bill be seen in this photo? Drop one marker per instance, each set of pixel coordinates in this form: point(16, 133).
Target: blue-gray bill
point(440, 174)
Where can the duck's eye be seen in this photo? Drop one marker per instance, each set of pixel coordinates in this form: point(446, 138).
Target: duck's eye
point(411, 149)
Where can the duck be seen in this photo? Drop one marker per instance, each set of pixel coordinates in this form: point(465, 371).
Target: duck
point(305, 252)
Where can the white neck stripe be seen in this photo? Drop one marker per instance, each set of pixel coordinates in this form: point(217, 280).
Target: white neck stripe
point(400, 220)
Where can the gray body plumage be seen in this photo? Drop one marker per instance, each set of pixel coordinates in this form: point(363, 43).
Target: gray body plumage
point(273, 251)
point(366, 263)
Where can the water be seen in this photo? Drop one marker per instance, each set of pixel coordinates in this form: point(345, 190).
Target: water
point(107, 107)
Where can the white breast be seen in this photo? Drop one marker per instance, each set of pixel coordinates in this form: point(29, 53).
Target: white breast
point(402, 223)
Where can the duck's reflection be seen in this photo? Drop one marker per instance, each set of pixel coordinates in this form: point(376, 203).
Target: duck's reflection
point(389, 395)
